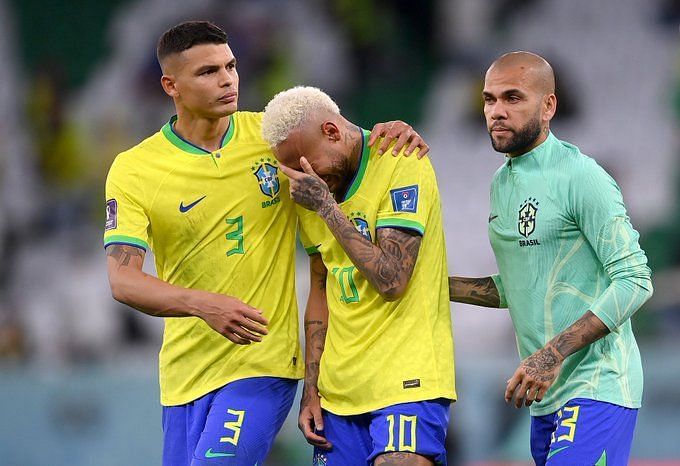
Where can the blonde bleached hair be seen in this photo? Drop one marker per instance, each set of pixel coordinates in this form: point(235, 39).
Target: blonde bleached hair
point(289, 109)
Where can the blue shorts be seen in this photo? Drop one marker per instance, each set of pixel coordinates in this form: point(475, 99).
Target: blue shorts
point(418, 427)
point(583, 432)
point(234, 425)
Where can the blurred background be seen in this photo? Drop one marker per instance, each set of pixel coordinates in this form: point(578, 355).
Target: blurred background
point(79, 83)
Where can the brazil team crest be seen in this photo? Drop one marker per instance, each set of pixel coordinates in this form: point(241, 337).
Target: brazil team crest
point(266, 171)
point(527, 217)
point(361, 224)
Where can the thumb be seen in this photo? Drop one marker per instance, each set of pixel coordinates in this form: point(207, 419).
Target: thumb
point(306, 167)
point(318, 419)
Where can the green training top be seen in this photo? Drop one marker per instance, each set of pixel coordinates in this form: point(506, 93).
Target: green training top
point(564, 245)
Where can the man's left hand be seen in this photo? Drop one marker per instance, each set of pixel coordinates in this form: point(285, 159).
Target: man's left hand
point(403, 133)
point(306, 188)
point(534, 377)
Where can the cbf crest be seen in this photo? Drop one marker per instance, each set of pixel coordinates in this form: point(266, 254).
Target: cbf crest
point(361, 224)
point(527, 217)
point(266, 171)
point(320, 460)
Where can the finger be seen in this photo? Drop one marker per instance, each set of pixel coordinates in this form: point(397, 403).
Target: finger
point(233, 337)
point(531, 396)
point(376, 132)
point(253, 327)
point(245, 334)
point(424, 150)
point(541, 393)
point(521, 393)
point(386, 141)
point(511, 386)
point(416, 141)
point(306, 167)
point(289, 172)
point(255, 315)
point(318, 419)
point(401, 141)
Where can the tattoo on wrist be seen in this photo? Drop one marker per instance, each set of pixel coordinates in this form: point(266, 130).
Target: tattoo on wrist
point(584, 331)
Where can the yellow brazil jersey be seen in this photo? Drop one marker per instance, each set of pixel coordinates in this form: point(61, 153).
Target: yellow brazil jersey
point(380, 353)
point(221, 222)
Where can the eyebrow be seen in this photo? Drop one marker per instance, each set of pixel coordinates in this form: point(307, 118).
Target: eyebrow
point(205, 68)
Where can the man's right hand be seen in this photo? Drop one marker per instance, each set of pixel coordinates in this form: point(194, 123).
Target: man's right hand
point(310, 420)
point(234, 319)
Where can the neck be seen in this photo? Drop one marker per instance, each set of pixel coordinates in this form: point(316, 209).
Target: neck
point(352, 140)
point(200, 131)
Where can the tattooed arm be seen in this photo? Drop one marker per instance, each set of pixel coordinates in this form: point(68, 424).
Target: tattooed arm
point(387, 265)
point(477, 291)
point(310, 420)
point(536, 373)
point(232, 318)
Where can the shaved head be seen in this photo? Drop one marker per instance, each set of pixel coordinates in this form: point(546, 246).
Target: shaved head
point(519, 101)
point(536, 70)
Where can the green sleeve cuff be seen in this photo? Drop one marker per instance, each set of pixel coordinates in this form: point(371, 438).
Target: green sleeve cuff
point(312, 250)
point(129, 240)
point(400, 223)
point(501, 290)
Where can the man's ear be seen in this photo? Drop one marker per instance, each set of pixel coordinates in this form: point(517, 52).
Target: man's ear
point(331, 131)
point(168, 84)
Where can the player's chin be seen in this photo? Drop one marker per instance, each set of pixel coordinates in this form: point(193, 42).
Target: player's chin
point(223, 109)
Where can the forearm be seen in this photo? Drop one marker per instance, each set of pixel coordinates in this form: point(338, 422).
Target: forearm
point(155, 297)
point(478, 291)
point(586, 330)
point(316, 326)
point(383, 271)
point(622, 298)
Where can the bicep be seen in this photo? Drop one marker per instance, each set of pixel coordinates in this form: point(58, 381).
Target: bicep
point(123, 258)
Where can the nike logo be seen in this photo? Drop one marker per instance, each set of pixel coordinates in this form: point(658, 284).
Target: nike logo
point(186, 208)
point(554, 452)
point(492, 217)
point(216, 454)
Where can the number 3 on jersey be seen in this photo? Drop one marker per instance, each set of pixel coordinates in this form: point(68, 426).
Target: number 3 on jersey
point(236, 234)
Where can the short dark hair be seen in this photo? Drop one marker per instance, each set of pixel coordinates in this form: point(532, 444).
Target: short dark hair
point(188, 34)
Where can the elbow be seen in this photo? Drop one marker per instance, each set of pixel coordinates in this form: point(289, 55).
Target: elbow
point(118, 291)
point(393, 293)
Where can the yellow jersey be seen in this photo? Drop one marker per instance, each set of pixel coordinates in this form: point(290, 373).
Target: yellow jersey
point(219, 221)
point(380, 353)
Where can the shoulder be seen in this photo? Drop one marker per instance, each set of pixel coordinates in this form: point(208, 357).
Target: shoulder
point(248, 127)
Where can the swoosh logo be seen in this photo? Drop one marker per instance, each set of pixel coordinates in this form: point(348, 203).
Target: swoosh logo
point(216, 454)
point(554, 452)
point(492, 218)
point(186, 208)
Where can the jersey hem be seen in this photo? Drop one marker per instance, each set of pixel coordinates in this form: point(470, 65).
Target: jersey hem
point(194, 395)
point(449, 395)
point(554, 407)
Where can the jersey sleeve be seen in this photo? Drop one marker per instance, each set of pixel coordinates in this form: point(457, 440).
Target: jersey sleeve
point(407, 203)
point(598, 209)
point(127, 221)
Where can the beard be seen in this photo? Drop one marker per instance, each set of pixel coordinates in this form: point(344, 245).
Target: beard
point(521, 140)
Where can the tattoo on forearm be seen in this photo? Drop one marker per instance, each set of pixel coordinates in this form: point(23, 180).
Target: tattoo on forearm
point(477, 291)
point(122, 253)
point(388, 264)
point(316, 340)
point(581, 333)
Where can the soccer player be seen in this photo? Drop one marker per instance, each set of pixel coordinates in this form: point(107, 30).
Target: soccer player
point(571, 272)
point(205, 193)
point(378, 307)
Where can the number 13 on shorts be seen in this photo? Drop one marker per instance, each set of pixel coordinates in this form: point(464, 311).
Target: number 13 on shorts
point(403, 429)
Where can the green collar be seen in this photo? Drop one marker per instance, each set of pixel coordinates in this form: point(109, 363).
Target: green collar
point(178, 141)
point(363, 163)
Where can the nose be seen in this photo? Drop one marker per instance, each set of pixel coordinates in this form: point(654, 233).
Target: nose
point(496, 111)
point(226, 78)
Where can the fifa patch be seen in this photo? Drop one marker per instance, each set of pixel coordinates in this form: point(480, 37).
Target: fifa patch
point(111, 215)
point(413, 383)
point(405, 199)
